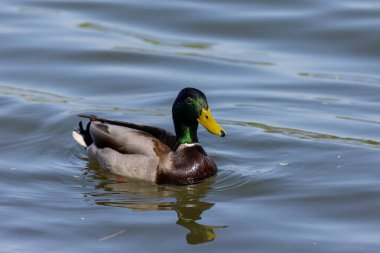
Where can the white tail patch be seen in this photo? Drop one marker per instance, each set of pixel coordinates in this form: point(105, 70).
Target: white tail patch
point(79, 138)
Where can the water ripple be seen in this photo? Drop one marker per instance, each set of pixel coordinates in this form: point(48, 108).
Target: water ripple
point(343, 77)
point(144, 43)
point(303, 134)
point(34, 95)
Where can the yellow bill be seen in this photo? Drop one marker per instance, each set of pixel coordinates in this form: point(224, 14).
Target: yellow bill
point(210, 124)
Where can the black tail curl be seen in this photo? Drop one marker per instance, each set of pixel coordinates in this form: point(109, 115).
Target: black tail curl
point(85, 133)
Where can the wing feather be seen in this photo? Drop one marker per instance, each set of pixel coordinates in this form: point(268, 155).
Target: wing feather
point(160, 134)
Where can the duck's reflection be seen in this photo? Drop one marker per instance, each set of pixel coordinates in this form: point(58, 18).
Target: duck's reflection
point(141, 196)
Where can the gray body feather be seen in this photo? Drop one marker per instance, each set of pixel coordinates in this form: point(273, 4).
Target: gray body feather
point(125, 151)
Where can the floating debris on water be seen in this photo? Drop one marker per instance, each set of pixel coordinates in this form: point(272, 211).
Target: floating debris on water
point(112, 235)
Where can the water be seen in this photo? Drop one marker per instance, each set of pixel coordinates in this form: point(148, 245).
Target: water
point(296, 85)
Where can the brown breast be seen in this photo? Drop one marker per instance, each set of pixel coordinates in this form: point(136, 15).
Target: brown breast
point(189, 165)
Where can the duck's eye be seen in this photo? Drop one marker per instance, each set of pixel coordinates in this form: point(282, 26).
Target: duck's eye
point(189, 100)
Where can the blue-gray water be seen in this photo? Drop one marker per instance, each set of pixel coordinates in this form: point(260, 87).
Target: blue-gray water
point(296, 85)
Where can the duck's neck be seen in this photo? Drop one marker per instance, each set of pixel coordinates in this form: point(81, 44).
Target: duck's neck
point(186, 133)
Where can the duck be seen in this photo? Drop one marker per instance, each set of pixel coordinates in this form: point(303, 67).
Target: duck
point(151, 153)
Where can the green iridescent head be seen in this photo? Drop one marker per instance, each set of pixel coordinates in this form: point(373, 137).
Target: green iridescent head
point(189, 109)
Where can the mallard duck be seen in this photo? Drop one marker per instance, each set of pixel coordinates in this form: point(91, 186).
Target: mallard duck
point(151, 153)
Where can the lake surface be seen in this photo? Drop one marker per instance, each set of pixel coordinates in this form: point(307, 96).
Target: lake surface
point(296, 84)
